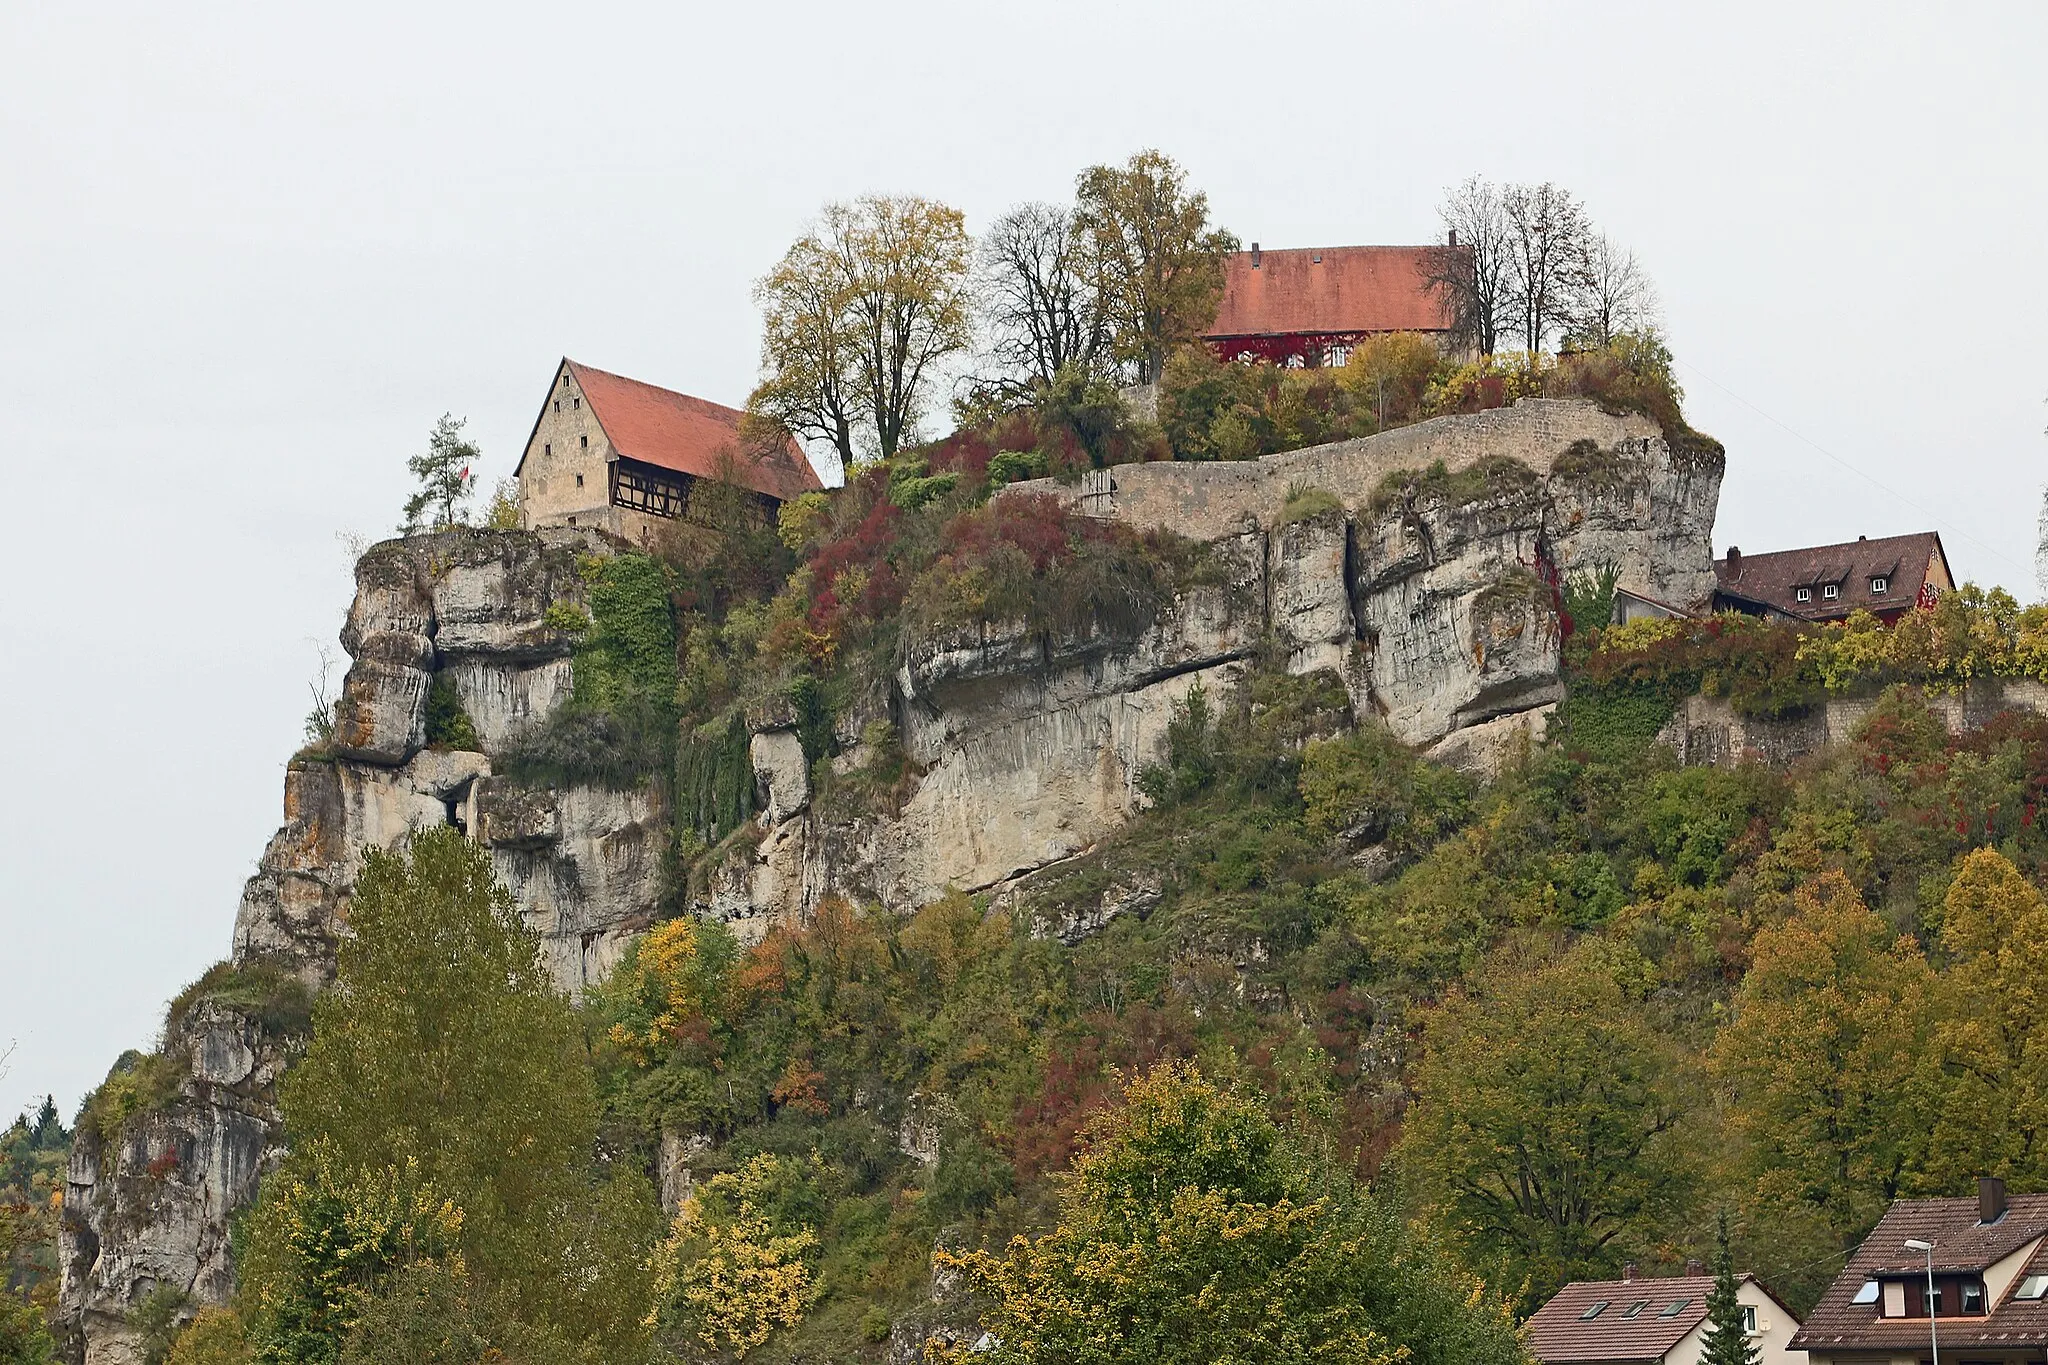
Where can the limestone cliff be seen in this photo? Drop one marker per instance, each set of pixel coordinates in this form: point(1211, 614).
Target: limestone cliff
point(1419, 566)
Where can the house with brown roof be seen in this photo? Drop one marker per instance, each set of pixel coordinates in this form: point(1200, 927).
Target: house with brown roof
point(1888, 576)
point(1633, 1321)
point(1309, 306)
point(622, 456)
point(1988, 1260)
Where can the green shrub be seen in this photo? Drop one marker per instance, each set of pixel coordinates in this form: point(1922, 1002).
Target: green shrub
point(1014, 466)
point(1304, 502)
point(140, 1083)
point(1490, 478)
point(448, 724)
point(274, 998)
point(714, 780)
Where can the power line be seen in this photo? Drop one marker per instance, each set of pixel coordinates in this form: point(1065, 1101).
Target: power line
point(2026, 572)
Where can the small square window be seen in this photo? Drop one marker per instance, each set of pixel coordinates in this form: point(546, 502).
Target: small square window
point(565, 380)
point(1831, 591)
point(1805, 594)
point(572, 521)
point(2032, 1287)
point(1879, 586)
point(1867, 1291)
point(1595, 1311)
point(579, 481)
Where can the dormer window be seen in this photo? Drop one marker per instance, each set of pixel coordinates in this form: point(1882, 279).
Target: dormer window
point(1867, 1292)
point(1973, 1296)
point(1879, 586)
point(1804, 594)
point(1831, 591)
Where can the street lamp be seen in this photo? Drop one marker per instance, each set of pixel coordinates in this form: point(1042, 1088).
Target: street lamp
point(1933, 1335)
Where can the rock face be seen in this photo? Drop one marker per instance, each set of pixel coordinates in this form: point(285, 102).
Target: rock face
point(584, 865)
point(1421, 566)
point(150, 1208)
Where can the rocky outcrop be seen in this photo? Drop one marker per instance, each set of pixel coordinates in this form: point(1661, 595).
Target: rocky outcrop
point(150, 1208)
point(1422, 567)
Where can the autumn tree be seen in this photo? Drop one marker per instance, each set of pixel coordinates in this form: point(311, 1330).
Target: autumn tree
point(1546, 1117)
point(731, 1272)
point(1194, 1230)
point(1547, 243)
point(1039, 295)
point(1614, 296)
point(856, 316)
point(1992, 1034)
point(1472, 270)
point(1828, 1028)
point(444, 1114)
point(1159, 261)
point(446, 481)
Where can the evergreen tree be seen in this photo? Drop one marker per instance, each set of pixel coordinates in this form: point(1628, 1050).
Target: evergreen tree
point(445, 478)
point(1725, 1343)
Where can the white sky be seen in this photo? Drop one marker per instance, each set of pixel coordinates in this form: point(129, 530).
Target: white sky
point(250, 254)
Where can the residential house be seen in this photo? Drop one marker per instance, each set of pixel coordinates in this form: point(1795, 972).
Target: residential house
point(1888, 576)
point(622, 456)
point(1636, 1321)
point(1309, 306)
point(1988, 1258)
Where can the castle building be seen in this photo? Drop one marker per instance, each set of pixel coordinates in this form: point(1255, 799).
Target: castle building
point(1310, 306)
point(621, 456)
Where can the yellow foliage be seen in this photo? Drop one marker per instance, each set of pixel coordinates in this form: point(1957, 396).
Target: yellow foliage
point(726, 1268)
point(215, 1337)
point(664, 974)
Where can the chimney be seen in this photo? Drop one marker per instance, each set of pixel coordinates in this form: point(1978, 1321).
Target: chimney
point(1734, 562)
point(1990, 1199)
point(1695, 1267)
point(1454, 236)
point(1863, 537)
point(1628, 1271)
point(1255, 255)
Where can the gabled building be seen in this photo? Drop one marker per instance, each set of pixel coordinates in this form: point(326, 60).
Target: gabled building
point(622, 456)
point(1310, 305)
point(1634, 1321)
point(1989, 1306)
point(1888, 576)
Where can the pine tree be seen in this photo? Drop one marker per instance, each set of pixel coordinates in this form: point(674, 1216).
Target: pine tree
point(1725, 1343)
point(445, 478)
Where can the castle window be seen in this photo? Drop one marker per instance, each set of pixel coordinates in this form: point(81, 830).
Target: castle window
point(1805, 594)
point(1879, 586)
point(558, 405)
point(579, 481)
point(1831, 591)
point(576, 402)
point(547, 447)
point(586, 444)
point(565, 379)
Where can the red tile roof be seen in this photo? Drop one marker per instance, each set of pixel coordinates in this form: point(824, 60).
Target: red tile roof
point(1559, 1332)
point(1774, 579)
point(659, 426)
point(1327, 291)
point(1961, 1243)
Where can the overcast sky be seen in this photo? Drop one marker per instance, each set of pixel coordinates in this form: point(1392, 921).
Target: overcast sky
point(250, 255)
